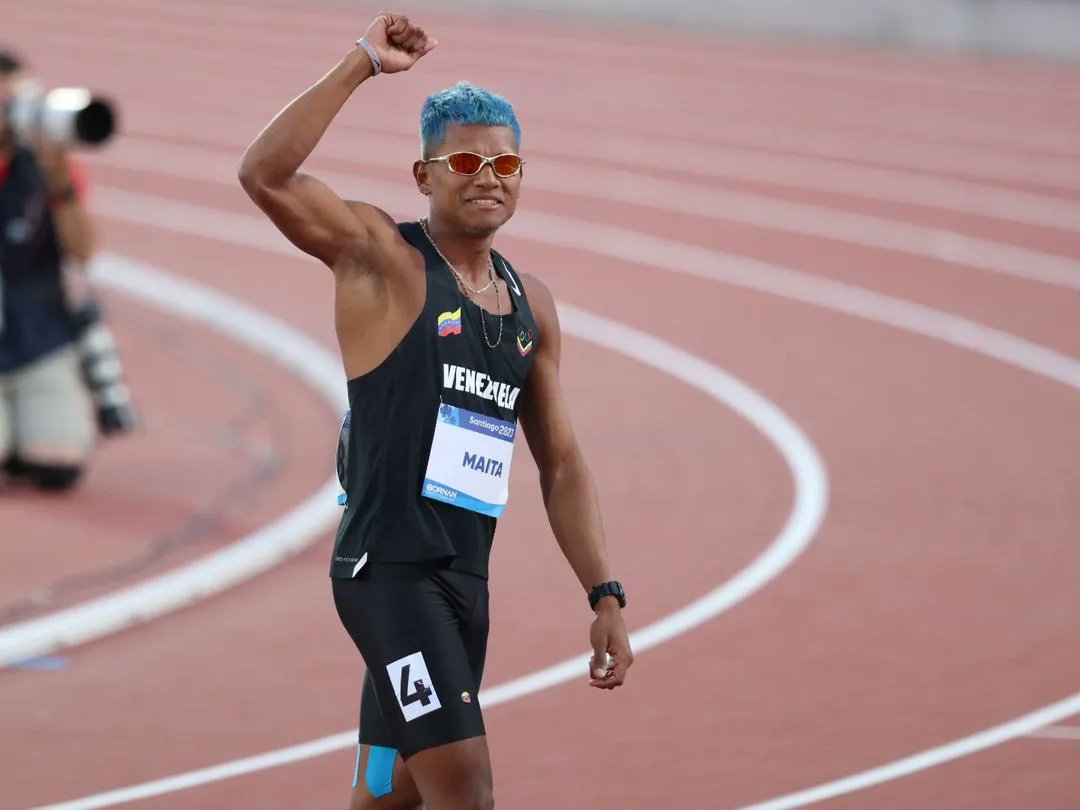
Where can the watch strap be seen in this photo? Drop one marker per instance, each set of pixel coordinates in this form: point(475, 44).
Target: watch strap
point(611, 588)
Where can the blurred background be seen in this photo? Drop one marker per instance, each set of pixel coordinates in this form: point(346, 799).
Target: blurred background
point(818, 266)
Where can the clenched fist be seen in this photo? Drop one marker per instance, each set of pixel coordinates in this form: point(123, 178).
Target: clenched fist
point(398, 42)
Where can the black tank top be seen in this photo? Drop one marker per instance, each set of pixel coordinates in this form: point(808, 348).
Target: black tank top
point(441, 360)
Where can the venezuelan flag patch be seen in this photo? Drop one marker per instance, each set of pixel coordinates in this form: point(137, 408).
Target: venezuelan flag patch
point(450, 323)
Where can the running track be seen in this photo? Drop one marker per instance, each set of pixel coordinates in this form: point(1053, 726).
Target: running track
point(886, 247)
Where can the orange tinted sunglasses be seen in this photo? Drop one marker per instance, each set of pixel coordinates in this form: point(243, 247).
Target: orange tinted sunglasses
point(470, 163)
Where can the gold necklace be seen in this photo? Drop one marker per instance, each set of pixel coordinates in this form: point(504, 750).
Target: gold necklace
point(492, 280)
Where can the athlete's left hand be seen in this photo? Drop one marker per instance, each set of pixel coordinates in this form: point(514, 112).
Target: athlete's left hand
point(609, 638)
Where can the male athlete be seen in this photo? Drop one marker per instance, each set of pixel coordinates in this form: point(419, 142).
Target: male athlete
point(445, 347)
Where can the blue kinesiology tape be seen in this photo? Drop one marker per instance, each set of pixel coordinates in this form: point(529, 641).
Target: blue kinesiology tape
point(380, 770)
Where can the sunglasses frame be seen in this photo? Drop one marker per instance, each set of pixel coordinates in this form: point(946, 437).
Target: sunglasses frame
point(484, 161)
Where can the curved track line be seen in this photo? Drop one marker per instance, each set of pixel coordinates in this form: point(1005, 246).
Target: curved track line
point(756, 210)
point(979, 161)
point(655, 252)
point(755, 165)
point(811, 497)
point(643, 250)
point(783, 282)
point(242, 559)
point(817, 221)
point(1019, 727)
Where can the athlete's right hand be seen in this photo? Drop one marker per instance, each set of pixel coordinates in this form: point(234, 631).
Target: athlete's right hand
point(398, 42)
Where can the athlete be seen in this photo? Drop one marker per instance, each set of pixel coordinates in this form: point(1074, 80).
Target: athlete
point(446, 348)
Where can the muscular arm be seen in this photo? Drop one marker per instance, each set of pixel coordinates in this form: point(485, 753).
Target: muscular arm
point(569, 491)
point(570, 496)
point(305, 210)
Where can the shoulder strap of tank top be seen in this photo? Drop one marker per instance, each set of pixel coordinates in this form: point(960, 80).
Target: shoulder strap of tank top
point(515, 284)
point(412, 233)
point(510, 275)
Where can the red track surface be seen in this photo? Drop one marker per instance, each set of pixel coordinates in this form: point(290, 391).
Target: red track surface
point(939, 597)
point(227, 440)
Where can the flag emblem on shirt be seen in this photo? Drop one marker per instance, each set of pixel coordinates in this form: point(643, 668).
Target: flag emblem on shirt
point(466, 697)
point(450, 323)
point(524, 341)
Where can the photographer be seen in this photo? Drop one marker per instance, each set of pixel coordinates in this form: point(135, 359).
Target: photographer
point(58, 363)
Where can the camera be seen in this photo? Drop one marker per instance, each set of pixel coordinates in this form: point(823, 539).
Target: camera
point(70, 116)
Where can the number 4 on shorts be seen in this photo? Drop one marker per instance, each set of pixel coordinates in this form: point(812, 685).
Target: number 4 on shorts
point(422, 693)
point(412, 684)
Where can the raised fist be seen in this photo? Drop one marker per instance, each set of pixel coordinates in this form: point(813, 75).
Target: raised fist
point(398, 42)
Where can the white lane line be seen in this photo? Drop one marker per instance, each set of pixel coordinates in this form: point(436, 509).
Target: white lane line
point(658, 91)
point(811, 498)
point(815, 221)
point(720, 161)
point(679, 257)
point(884, 148)
point(835, 175)
point(930, 758)
point(654, 252)
point(215, 773)
point(1057, 733)
point(244, 558)
point(636, 248)
point(750, 209)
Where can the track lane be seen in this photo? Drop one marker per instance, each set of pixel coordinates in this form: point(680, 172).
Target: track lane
point(798, 363)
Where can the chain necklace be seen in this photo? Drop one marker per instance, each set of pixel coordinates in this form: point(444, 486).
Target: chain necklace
point(492, 280)
point(460, 278)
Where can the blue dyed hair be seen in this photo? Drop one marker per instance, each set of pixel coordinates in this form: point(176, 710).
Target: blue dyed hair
point(467, 105)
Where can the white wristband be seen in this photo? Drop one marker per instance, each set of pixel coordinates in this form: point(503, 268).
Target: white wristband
point(370, 49)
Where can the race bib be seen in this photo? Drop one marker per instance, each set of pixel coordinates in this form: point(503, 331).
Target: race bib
point(469, 463)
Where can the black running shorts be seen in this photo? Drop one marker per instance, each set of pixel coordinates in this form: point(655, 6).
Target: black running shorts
point(422, 630)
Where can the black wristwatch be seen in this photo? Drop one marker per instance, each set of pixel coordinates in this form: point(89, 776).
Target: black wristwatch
point(607, 589)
